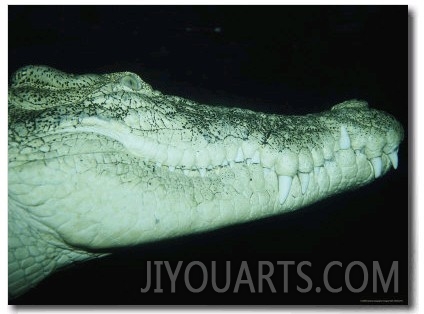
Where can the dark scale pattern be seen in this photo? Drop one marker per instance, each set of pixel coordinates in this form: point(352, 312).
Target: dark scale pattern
point(41, 99)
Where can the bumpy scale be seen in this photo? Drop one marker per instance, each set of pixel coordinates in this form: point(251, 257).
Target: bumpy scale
point(104, 161)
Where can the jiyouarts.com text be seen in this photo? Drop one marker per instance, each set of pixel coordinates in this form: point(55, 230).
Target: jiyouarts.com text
point(267, 276)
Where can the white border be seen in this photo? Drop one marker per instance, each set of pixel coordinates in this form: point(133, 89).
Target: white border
point(415, 11)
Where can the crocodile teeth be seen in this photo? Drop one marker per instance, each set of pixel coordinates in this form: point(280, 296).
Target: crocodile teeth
point(344, 141)
point(284, 185)
point(394, 159)
point(304, 181)
point(256, 159)
point(377, 165)
point(239, 157)
point(202, 172)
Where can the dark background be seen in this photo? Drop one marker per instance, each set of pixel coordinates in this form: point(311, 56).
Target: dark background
point(276, 59)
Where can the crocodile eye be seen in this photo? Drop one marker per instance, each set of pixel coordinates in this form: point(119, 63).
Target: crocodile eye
point(131, 81)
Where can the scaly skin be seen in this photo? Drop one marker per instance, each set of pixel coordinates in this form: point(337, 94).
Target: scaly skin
point(98, 162)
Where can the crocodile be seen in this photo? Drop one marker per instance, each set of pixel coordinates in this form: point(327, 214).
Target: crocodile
point(104, 161)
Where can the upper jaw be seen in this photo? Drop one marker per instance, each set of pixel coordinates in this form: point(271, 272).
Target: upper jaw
point(325, 151)
point(288, 160)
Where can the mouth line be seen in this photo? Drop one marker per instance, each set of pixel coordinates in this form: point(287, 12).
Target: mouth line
point(187, 157)
point(284, 167)
point(335, 160)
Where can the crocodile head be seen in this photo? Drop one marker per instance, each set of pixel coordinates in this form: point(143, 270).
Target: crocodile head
point(98, 162)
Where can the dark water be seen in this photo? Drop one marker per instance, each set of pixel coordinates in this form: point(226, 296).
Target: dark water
point(288, 60)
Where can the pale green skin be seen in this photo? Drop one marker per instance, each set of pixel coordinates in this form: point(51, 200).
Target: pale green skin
point(97, 162)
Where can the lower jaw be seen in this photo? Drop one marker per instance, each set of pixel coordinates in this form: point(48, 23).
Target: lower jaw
point(289, 192)
point(169, 202)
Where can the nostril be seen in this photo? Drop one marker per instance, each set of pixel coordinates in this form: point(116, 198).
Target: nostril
point(131, 81)
point(353, 103)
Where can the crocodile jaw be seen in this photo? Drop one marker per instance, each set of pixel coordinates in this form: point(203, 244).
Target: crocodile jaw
point(109, 173)
point(87, 180)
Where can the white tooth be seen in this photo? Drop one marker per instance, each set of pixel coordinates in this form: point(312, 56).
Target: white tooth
point(186, 172)
point(216, 155)
point(344, 141)
point(304, 180)
point(202, 158)
point(158, 164)
point(328, 147)
point(239, 157)
point(171, 168)
point(202, 172)
point(377, 165)
point(224, 163)
point(394, 159)
point(188, 158)
point(248, 148)
point(231, 163)
point(317, 156)
point(284, 185)
point(230, 152)
point(256, 159)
